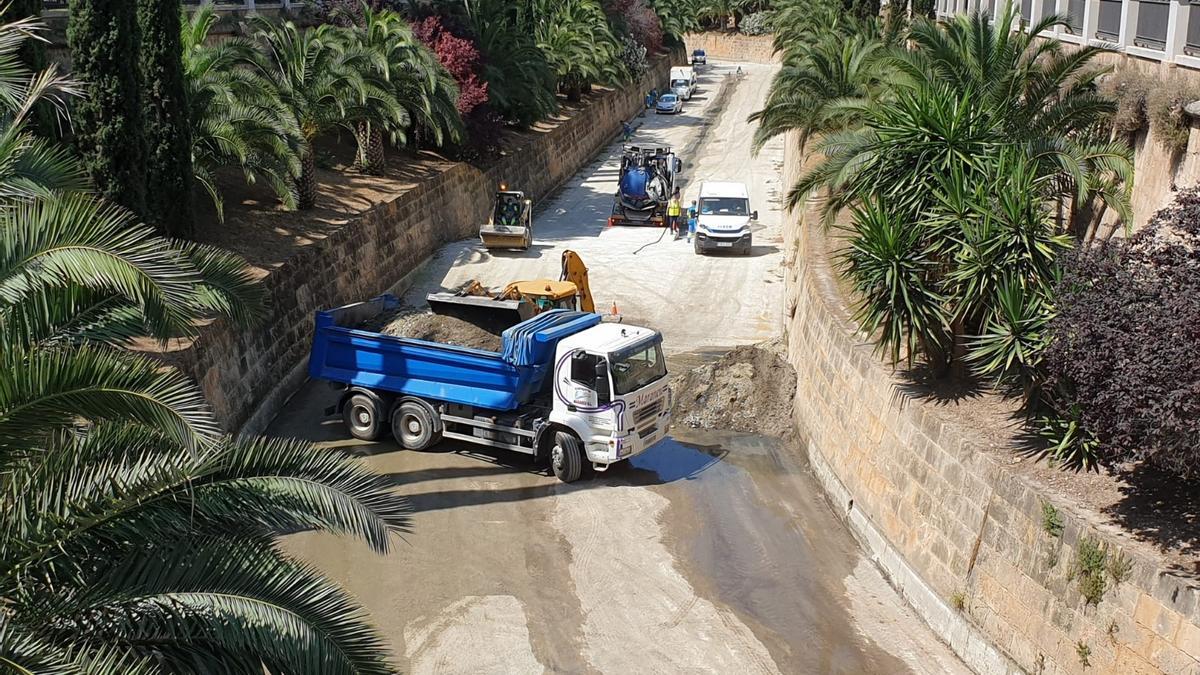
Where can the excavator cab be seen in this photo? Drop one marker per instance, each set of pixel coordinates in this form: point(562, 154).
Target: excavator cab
point(511, 224)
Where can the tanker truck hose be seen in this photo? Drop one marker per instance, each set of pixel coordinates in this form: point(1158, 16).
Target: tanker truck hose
point(644, 246)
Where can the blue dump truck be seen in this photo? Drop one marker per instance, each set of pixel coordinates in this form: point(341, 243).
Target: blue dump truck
point(649, 174)
point(564, 387)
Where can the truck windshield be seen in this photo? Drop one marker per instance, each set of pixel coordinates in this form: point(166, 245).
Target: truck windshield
point(678, 83)
point(635, 369)
point(724, 206)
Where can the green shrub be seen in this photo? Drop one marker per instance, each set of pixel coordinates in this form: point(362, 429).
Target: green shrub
point(1051, 520)
point(758, 23)
point(1090, 559)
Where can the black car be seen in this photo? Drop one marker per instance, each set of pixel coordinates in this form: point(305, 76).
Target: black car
point(699, 57)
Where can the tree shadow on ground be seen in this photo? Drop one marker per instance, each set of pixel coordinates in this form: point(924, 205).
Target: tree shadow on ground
point(1161, 509)
point(920, 383)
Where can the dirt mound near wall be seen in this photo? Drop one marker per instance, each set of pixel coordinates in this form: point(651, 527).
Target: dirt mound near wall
point(423, 325)
point(749, 389)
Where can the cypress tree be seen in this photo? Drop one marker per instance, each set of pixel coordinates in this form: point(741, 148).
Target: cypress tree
point(165, 114)
point(33, 56)
point(108, 118)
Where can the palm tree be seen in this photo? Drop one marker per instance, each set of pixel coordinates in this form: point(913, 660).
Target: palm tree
point(133, 537)
point(30, 165)
point(420, 85)
point(806, 90)
point(576, 38)
point(971, 83)
point(237, 119)
point(953, 177)
point(678, 17)
point(319, 83)
point(1038, 93)
point(520, 80)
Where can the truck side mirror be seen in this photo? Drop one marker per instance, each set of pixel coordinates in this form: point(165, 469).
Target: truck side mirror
point(603, 394)
point(754, 215)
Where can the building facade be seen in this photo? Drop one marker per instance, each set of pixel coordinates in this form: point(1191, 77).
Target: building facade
point(1167, 31)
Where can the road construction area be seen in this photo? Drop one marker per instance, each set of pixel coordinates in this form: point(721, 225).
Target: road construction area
point(712, 552)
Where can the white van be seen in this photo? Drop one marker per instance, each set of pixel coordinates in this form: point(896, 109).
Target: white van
point(683, 82)
point(723, 218)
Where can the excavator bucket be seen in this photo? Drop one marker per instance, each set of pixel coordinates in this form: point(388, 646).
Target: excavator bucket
point(482, 311)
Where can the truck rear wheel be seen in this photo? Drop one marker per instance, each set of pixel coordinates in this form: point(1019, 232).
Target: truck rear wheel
point(414, 427)
point(566, 458)
point(363, 416)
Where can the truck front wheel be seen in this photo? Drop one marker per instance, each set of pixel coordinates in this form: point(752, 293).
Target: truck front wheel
point(363, 416)
point(414, 427)
point(566, 458)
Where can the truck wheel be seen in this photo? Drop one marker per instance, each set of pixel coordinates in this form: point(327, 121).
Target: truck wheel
point(363, 416)
point(414, 427)
point(696, 246)
point(566, 458)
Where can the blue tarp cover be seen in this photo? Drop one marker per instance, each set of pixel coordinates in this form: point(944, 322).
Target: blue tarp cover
point(532, 342)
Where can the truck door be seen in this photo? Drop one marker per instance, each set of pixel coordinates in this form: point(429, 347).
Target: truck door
point(589, 387)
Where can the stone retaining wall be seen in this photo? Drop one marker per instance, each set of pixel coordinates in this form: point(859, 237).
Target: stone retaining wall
point(961, 536)
point(247, 375)
point(732, 46)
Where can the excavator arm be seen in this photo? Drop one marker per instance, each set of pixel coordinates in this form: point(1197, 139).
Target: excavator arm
point(574, 271)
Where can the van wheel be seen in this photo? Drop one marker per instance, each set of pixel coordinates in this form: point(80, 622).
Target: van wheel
point(414, 427)
point(363, 416)
point(566, 458)
point(696, 246)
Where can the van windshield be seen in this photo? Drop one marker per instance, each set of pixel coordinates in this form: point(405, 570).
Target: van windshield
point(679, 83)
point(635, 369)
point(724, 206)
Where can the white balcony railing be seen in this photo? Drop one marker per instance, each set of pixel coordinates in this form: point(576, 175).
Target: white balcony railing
point(1163, 30)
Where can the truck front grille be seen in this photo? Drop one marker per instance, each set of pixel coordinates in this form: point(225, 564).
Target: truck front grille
point(645, 419)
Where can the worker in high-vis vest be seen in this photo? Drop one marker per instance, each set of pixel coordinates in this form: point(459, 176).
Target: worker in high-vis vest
point(674, 209)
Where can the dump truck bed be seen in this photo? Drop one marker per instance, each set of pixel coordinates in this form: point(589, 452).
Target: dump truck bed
point(501, 381)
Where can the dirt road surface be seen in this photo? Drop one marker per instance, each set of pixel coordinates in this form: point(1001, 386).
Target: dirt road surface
point(710, 553)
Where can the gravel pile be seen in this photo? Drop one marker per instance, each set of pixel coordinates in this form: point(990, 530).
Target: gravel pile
point(423, 325)
point(750, 389)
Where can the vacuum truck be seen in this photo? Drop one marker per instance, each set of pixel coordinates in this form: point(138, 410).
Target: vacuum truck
point(648, 177)
point(564, 387)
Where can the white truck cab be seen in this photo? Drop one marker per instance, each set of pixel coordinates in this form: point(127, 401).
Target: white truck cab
point(723, 218)
point(611, 390)
point(683, 82)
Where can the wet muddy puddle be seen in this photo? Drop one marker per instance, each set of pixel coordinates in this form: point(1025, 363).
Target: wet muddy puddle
point(749, 528)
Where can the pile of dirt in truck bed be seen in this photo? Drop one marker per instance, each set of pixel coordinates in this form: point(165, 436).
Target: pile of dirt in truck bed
point(750, 389)
point(423, 325)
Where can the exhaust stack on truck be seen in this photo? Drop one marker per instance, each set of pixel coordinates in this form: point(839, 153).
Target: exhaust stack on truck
point(564, 387)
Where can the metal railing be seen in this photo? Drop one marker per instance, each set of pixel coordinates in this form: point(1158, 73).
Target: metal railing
point(1160, 30)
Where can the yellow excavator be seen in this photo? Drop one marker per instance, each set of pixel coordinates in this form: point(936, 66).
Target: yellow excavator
point(519, 300)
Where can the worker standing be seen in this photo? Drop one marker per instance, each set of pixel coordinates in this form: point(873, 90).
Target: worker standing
point(673, 211)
